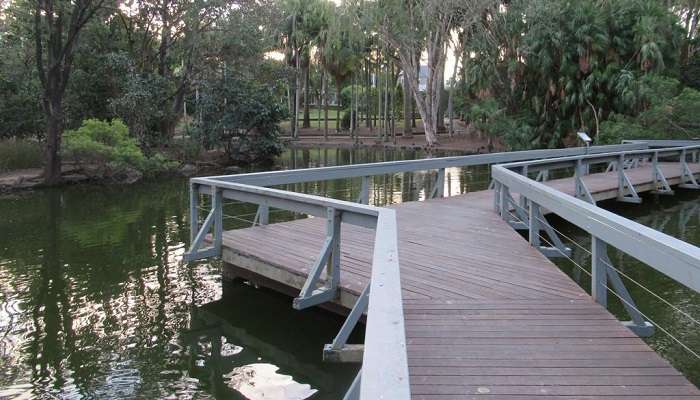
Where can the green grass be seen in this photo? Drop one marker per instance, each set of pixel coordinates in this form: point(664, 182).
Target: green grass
point(20, 154)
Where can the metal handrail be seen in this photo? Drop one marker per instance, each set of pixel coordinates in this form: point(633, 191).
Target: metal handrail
point(602, 157)
point(668, 255)
point(384, 357)
point(390, 167)
point(384, 372)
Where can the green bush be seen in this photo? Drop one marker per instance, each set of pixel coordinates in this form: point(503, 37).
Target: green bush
point(672, 118)
point(242, 116)
point(20, 154)
point(106, 143)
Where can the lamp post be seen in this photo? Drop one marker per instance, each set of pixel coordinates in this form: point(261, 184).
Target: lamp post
point(587, 140)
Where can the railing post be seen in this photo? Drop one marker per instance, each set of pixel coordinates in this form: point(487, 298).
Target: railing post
point(364, 190)
point(496, 196)
point(621, 176)
point(194, 211)
point(578, 178)
point(503, 201)
point(217, 205)
point(263, 214)
point(599, 276)
point(654, 169)
point(333, 266)
point(534, 231)
point(440, 183)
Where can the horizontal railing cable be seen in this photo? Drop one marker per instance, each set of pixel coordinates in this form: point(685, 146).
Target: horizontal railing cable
point(664, 330)
point(651, 292)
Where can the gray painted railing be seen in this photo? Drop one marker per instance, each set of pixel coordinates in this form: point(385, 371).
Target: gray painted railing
point(670, 256)
point(384, 371)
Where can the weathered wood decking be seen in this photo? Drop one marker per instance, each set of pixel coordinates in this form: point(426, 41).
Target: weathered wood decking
point(486, 314)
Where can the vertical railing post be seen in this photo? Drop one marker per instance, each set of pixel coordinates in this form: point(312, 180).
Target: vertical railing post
point(496, 196)
point(503, 201)
point(439, 190)
point(655, 169)
point(217, 205)
point(599, 276)
point(534, 228)
point(263, 214)
point(522, 200)
point(578, 177)
point(194, 211)
point(333, 266)
point(364, 190)
point(621, 176)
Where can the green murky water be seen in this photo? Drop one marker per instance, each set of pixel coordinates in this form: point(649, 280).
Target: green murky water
point(94, 302)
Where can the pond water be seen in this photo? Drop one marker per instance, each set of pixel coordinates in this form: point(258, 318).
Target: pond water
point(95, 303)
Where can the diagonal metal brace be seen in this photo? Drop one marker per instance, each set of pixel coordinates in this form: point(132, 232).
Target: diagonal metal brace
point(329, 259)
point(213, 222)
point(537, 223)
point(687, 177)
point(661, 185)
point(625, 185)
point(581, 188)
point(602, 273)
point(339, 350)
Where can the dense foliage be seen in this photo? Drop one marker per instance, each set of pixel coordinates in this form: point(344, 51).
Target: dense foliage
point(560, 66)
point(242, 116)
point(107, 147)
point(220, 74)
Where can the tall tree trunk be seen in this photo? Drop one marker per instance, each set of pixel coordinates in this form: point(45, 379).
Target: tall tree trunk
point(407, 107)
point(324, 84)
point(54, 60)
point(413, 104)
point(54, 133)
point(307, 116)
point(450, 99)
point(368, 85)
point(442, 106)
point(339, 101)
point(386, 103)
point(295, 53)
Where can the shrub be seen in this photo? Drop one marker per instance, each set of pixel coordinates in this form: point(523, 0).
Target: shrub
point(672, 118)
point(20, 154)
point(108, 144)
point(242, 116)
point(101, 142)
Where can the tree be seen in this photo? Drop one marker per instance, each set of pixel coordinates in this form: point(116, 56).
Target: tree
point(57, 26)
point(560, 66)
point(243, 116)
point(340, 52)
point(414, 26)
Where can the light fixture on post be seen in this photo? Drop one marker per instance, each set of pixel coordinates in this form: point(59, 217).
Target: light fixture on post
point(585, 139)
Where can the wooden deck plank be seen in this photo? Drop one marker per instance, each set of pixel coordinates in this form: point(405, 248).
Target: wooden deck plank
point(486, 315)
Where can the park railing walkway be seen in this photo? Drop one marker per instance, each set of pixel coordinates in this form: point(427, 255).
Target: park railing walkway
point(458, 304)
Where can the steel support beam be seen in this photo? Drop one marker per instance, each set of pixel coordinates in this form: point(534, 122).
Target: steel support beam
point(624, 184)
point(439, 188)
point(687, 177)
point(328, 258)
point(353, 392)
point(262, 216)
point(581, 188)
point(364, 190)
point(339, 350)
point(661, 185)
point(537, 223)
point(602, 272)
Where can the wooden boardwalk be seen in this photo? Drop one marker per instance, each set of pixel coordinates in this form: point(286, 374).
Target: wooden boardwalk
point(486, 315)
